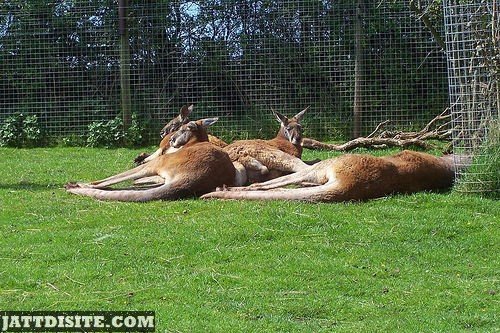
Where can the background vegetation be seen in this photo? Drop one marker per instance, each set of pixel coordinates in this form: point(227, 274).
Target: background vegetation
point(236, 59)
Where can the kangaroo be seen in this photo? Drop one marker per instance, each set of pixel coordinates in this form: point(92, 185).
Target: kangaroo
point(260, 160)
point(354, 177)
point(194, 168)
point(172, 126)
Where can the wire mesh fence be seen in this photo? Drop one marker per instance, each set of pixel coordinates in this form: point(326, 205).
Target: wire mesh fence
point(473, 47)
point(355, 64)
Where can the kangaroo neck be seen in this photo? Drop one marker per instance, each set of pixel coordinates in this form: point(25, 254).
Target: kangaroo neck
point(283, 144)
point(199, 137)
point(202, 136)
point(281, 134)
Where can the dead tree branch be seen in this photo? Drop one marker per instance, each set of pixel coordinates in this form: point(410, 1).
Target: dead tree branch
point(365, 143)
point(386, 139)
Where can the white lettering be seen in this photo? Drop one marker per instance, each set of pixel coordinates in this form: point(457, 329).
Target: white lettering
point(78, 323)
point(130, 321)
point(69, 321)
point(98, 321)
point(50, 321)
point(5, 323)
point(117, 321)
point(146, 321)
point(87, 321)
point(14, 322)
point(26, 321)
point(38, 321)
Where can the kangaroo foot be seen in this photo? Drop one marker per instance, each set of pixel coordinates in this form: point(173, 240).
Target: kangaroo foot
point(312, 162)
point(71, 185)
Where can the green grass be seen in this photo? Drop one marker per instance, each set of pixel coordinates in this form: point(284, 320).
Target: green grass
point(417, 263)
point(483, 175)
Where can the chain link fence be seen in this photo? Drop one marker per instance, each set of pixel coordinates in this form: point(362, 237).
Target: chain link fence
point(473, 48)
point(355, 64)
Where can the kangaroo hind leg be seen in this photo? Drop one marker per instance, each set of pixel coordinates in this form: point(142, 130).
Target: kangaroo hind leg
point(132, 174)
point(291, 179)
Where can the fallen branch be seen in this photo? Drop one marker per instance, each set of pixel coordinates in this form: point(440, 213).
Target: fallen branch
point(377, 143)
point(391, 138)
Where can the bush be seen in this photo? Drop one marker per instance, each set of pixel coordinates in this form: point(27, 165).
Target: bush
point(21, 131)
point(134, 134)
point(483, 176)
point(111, 134)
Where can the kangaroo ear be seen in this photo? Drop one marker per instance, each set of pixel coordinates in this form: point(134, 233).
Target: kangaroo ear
point(281, 118)
point(207, 121)
point(299, 115)
point(185, 111)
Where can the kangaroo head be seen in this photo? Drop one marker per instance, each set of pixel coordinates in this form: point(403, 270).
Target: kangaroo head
point(192, 132)
point(291, 129)
point(174, 124)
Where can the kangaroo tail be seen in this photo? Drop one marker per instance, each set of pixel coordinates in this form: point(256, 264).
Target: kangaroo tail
point(321, 193)
point(165, 191)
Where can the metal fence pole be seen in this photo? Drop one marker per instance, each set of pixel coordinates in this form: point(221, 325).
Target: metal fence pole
point(124, 63)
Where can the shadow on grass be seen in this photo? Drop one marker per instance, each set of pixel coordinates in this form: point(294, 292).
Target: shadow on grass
point(28, 186)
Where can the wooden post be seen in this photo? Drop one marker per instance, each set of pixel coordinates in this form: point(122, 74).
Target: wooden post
point(124, 63)
point(359, 69)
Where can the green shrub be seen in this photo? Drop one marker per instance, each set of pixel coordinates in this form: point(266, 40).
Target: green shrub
point(21, 131)
point(111, 134)
point(134, 134)
point(72, 140)
point(484, 174)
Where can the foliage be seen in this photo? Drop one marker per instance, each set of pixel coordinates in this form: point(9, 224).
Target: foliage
point(408, 263)
point(134, 135)
point(233, 55)
point(112, 134)
point(20, 130)
point(484, 174)
point(72, 140)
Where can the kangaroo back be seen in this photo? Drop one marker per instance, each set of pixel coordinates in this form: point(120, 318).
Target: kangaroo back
point(422, 172)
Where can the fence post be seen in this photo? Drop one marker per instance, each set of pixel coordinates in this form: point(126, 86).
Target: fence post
point(359, 69)
point(124, 63)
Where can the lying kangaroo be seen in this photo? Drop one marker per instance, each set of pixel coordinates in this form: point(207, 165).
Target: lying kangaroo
point(260, 160)
point(172, 126)
point(354, 177)
point(194, 168)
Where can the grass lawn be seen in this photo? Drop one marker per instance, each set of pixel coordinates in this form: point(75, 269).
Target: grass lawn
point(417, 263)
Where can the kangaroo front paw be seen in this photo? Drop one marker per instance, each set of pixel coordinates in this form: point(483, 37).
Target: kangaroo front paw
point(222, 188)
point(140, 158)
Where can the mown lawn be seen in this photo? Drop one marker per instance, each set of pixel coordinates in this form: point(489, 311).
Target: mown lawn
point(418, 263)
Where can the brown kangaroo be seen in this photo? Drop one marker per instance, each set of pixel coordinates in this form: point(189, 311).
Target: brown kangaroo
point(260, 160)
point(354, 177)
point(172, 126)
point(195, 168)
